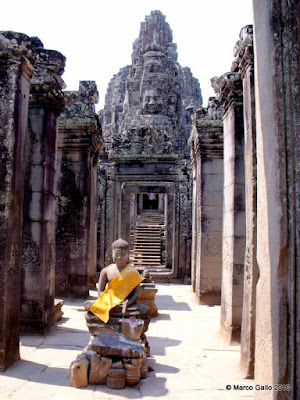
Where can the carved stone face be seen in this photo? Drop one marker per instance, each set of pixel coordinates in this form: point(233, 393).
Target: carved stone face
point(120, 257)
point(152, 102)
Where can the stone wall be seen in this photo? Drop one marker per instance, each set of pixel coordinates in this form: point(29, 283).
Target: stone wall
point(230, 95)
point(277, 333)
point(206, 143)
point(39, 222)
point(17, 56)
point(79, 143)
point(244, 62)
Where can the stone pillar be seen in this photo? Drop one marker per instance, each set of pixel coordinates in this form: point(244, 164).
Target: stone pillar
point(38, 243)
point(16, 58)
point(79, 143)
point(208, 145)
point(244, 61)
point(277, 82)
point(229, 88)
point(192, 145)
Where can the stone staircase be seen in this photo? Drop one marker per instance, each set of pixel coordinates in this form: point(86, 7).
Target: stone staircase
point(148, 236)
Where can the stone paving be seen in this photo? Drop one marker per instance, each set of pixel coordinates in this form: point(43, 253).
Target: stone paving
point(189, 358)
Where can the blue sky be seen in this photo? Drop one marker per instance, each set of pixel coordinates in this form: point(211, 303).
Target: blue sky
point(96, 36)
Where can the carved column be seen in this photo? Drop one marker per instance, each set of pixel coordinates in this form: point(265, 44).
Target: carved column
point(208, 143)
point(16, 57)
point(245, 63)
point(78, 146)
point(229, 88)
point(277, 83)
point(38, 244)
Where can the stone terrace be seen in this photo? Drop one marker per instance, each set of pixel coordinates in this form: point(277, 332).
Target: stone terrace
point(189, 358)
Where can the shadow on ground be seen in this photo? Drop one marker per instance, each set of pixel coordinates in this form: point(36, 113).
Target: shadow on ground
point(166, 302)
point(34, 372)
point(158, 344)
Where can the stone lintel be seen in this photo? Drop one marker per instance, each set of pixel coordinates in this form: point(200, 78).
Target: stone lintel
point(47, 84)
point(15, 46)
point(229, 89)
point(243, 51)
point(147, 157)
point(207, 135)
point(79, 126)
point(84, 136)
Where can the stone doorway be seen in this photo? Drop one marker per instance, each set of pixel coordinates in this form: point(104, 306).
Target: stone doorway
point(149, 231)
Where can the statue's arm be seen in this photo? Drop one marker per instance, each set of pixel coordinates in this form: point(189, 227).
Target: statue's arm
point(102, 281)
point(135, 295)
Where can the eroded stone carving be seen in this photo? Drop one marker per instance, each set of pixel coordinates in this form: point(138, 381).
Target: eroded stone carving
point(148, 105)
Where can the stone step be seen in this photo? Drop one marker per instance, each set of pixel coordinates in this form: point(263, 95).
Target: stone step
point(137, 257)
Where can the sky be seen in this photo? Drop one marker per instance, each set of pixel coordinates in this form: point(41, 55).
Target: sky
point(96, 36)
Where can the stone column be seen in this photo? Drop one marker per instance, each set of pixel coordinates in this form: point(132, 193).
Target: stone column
point(38, 244)
point(244, 61)
point(229, 88)
point(78, 146)
point(208, 144)
point(277, 82)
point(16, 58)
point(192, 144)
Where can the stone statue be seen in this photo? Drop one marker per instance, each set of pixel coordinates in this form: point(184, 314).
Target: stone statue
point(118, 289)
point(120, 254)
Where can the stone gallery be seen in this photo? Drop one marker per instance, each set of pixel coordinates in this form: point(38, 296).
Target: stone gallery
point(208, 196)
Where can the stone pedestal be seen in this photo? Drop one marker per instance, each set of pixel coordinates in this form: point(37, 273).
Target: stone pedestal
point(229, 89)
point(206, 143)
point(277, 82)
point(244, 61)
point(112, 360)
point(38, 244)
point(16, 58)
point(79, 143)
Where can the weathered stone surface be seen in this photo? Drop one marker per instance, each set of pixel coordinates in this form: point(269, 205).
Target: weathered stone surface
point(229, 91)
point(147, 297)
point(206, 144)
point(38, 245)
point(58, 313)
point(146, 125)
point(79, 144)
point(116, 378)
point(114, 344)
point(17, 56)
point(277, 62)
point(79, 372)
point(244, 62)
point(99, 367)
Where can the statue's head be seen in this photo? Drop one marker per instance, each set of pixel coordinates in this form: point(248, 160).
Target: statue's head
point(120, 252)
point(152, 102)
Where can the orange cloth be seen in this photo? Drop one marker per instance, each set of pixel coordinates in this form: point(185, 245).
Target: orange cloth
point(116, 291)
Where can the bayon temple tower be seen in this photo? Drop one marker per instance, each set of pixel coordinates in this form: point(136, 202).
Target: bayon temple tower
point(144, 174)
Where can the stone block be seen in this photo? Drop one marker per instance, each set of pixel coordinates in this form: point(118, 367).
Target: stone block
point(213, 198)
point(98, 369)
point(79, 372)
point(212, 166)
point(114, 344)
point(210, 224)
point(116, 378)
point(212, 182)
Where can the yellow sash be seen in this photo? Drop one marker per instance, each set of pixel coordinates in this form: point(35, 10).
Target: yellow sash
point(116, 291)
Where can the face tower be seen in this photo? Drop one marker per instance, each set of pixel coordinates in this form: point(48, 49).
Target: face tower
point(144, 168)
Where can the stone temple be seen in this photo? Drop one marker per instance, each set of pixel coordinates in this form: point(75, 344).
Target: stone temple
point(144, 165)
point(208, 196)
